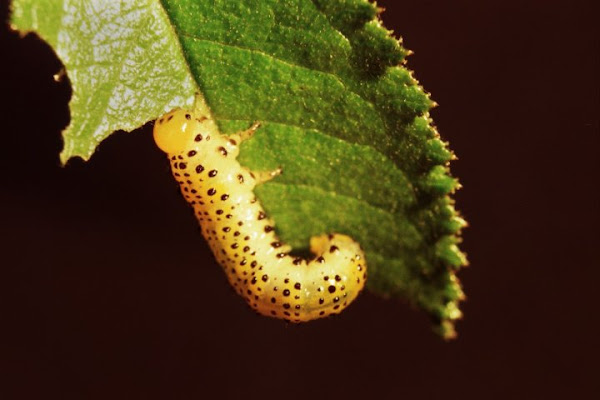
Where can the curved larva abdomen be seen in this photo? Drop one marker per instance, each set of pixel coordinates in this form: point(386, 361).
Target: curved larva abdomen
point(240, 235)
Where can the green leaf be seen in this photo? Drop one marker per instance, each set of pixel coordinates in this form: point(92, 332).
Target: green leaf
point(119, 57)
point(347, 122)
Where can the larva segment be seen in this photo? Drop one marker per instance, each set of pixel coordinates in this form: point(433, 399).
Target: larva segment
point(242, 237)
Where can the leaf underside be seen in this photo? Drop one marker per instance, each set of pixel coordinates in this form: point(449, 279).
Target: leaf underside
point(346, 121)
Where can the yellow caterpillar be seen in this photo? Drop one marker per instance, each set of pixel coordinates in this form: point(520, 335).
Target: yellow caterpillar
point(242, 238)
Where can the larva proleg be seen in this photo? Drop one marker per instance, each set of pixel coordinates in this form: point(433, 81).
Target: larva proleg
point(242, 237)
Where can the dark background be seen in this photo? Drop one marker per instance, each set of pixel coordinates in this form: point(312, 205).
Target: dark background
point(109, 291)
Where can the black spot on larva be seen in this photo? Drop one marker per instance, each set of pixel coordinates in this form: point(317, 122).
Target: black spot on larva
point(198, 137)
point(286, 305)
point(322, 313)
point(224, 197)
point(336, 299)
point(226, 229)
point(246, 248)
point(261, 215)
point(219, 212)
point(297, 261)
point(191, 153)
point(240, 178)
point(180, 157)
point(234, 246)
point(188, 116)
point(222, 150)
point(182, 165)
point(253, 264)
point(273, 313)
point(228, 216)
point(212, 173)
point(243, 262)
point(199, 168)
point(233, 142)
point(273, 300)
point(286, 292)
point(253, 281)
point(160, 121)
point(240, 223)
point(286, 280)
point(331, 289)
point(288, 314)
point(246, 237)
point(321, 260)
point(336, 307)
point(297, 306)
point(338, 278)
point(169, 118)
point(297, 286)
point(211, 192)
point(343, 287)
point(265, 277)
point(268, 228)
point(326, 278)
point(321, 300)
point(276, 244)
point(236, 233)
point(333, 249)
point(281, 255)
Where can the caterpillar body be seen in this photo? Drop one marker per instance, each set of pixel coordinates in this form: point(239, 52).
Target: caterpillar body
point(242, 237)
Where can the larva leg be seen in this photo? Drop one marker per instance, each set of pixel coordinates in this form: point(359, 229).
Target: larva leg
point(259, 176)
point(265, 176)
point(246, 134)
point(235, 139)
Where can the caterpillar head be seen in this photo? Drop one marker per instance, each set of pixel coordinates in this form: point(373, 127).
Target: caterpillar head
point(173, 132)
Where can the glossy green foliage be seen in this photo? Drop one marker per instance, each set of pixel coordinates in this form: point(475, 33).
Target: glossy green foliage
point(342, 116)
